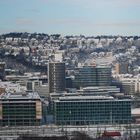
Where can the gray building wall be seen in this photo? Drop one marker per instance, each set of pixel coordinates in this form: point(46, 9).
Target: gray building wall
point(56, 76)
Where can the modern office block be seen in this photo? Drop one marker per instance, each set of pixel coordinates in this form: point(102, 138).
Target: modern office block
point(2, 70)
point(93, 76)
point(128, 87)
point(69, 82)
point(20, 109)
point(103, 76)
point(121, 68)
point(56, 76)
point(86, 110)
point(32, 84)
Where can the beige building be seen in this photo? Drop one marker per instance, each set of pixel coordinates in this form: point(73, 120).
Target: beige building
point(130, 85)
point(121, 68)
point(137, 86)
point(20, 109)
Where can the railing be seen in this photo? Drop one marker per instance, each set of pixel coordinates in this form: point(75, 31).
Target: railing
point(52, 130)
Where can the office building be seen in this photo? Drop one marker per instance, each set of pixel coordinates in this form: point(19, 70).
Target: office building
point(56, 76)
point(87, 110)
point(137, 86)
point(128, 87)
point(121, 68)
point(69, 82)
point(92, 76)
point(43, 90)
point(20, 109)
point(32, 84)
point(2, 90)
point(2, 70)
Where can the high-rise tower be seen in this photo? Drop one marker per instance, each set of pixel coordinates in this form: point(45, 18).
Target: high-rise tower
point(56, 76)
point(2, 70)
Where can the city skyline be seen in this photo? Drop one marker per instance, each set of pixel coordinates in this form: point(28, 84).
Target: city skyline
point(75, 17)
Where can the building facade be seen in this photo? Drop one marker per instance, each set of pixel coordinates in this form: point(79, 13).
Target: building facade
point(128, 87)
point(2, 70)
point(56, 76)
point(93, 76)
point(20, 109)
point(121, 68)
point(86, 110)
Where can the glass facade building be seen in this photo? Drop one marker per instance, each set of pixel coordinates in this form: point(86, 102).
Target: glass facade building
point(20, 110)
point(86, 110)
point(93, 76)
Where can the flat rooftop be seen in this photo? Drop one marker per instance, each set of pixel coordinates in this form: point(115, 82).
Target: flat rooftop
point(31, 95)
point(101, 88)
point(71, 98)
point(88, 99)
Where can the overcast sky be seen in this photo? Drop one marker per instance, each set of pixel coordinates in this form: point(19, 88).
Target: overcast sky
point(71, 17)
